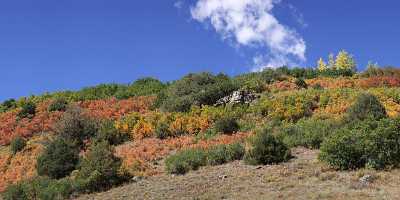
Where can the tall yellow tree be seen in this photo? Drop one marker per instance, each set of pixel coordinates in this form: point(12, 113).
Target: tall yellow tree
point(345, 61)
point(321, 65)
point(331, 61)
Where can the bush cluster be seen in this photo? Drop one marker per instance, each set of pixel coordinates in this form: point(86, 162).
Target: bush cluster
point(196, 89)
point(366, 106)
point(58, 104)
point(99, 169)
point(192, 159)
point(42, 188)
point(58, 160)
point(108, 132)
point(308, 133)
point(225, 153)
point(17, 144)
point(370, 143)
point(266, 149)
point(226, 125)
point(74, 126)
point(28, 110)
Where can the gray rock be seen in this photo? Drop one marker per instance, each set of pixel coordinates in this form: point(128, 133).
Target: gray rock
point(366, 180)
point(237, 97)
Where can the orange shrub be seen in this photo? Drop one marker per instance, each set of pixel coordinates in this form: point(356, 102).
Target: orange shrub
point(19, 167)
point(138, 157)
point(42, 122)
point(115, 109)
point(142, 129)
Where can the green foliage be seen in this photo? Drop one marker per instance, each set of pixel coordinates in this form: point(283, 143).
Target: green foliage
point(266, 149)
point(235, 151)
point(108, 132)
point(369, 143)
point(226, 125)
point(382, 145)
point(8, 105)
point(217, 155)
point(366, 106)
point(57, 190)
point(58, 104)
point(221, 154)
point(99, 169)
point(162, 130)
point(15, 191)
point(28, 110)
point(42, 188)
point(17, 144)
point(141, 87)
point(193, 159)
point(58, 160)
point(196, 89)
point(301, 83)
point(343, 150)
point(76, 127)
point(185, 161)
point(308, 133)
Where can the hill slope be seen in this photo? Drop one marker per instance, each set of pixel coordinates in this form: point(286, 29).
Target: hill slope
point(101, 137)
point(301, 178)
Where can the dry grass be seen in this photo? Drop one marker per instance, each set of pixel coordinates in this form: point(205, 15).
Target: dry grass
point(301, 178)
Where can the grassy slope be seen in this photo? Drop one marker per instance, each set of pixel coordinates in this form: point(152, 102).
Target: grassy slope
point(301, 178)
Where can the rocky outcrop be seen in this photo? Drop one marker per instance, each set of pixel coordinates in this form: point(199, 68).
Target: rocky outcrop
point(237, 97)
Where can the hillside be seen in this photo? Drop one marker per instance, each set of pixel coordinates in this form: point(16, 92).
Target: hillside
point(274, 134)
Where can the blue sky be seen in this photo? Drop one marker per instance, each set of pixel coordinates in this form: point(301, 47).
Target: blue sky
point(48, 45)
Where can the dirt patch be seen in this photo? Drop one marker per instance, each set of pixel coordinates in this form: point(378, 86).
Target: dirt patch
point(301, 178)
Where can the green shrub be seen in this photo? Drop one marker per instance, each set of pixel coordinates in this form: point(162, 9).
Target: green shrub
point(196, 89)
point(366, 106)
point(8, 105)
point(75, 126)
point(227, 125)
point(28, 110)
point(57, 190)
point(301, 83)
point(58, 104)
point(58, 160)
point(344, 150)
point(185, 161)
point(221, 154)
point(382, 145)
point(236, 151)
point(99, 169)
point(217, 155)
point(210, 133)
point(42, 188)
point(368, 143)
point(16, 191)
point(141, 87)
point(308, 133)
point(108, 132)
point(266, 149)
point(162, 130)
point(17, 144)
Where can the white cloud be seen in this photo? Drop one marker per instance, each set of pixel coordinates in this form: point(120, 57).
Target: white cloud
point(252, 23)
point(178, 4)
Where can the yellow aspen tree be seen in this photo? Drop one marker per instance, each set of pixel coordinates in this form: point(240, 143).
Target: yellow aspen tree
point(331, 61)
point(345, 61)
point(321, 65)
